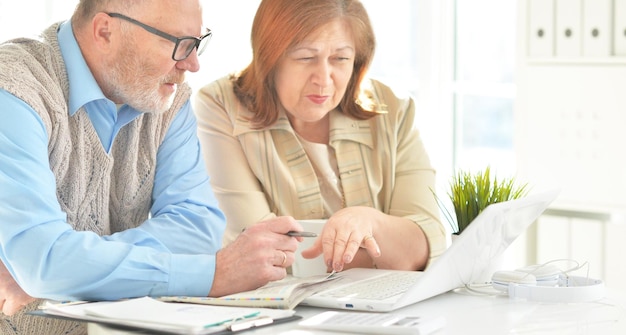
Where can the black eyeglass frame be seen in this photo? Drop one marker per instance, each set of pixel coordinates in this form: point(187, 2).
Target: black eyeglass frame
point(172, 38)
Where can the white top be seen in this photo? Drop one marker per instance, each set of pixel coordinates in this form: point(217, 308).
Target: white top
point(324, 163)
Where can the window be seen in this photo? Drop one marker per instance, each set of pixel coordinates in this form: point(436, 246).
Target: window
point(395, 59)
point(483, 87)
point(458, 59)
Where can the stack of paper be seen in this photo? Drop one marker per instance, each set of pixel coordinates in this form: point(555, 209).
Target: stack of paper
point(175, 318)
point(282, 294)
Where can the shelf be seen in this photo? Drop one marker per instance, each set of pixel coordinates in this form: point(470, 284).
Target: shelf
point(608, 61)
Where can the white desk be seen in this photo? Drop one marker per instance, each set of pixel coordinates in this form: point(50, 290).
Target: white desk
point(467, 313)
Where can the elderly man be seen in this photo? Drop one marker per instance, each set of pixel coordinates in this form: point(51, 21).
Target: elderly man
point(104, 192)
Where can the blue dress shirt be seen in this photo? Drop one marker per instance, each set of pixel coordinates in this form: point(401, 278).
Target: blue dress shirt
point(172, 253)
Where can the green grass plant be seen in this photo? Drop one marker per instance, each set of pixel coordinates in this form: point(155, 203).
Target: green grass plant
point(470, 193)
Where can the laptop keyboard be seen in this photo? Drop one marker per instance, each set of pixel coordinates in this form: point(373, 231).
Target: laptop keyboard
point(378, 288)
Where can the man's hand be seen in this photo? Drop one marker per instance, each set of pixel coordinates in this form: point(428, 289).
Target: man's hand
point(259, 255)
point(12, 297)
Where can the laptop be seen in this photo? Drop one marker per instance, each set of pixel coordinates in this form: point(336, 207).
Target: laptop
point(487, 237)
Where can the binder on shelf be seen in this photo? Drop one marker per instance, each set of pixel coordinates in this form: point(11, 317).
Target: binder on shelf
point(619, 28)
point(597, 28)
point(541, 28)
point(568, 28)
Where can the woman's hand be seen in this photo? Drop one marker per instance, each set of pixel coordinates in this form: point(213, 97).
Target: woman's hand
point(344, 235)
point(365, 237)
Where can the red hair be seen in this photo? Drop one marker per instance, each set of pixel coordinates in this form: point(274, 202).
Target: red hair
point(279, 25)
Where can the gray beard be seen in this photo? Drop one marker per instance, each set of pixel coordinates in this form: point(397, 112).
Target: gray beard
point(125, 83)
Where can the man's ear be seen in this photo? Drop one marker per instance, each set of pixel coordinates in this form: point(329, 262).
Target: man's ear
point(103, 29)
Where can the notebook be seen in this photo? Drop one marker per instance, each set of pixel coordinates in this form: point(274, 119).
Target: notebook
point(487, 237)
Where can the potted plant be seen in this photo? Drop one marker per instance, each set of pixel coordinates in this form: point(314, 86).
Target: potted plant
point(470, 193)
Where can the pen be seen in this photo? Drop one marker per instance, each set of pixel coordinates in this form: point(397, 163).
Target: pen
point(251, 316)
point(52, 304)
point(246, 324)
point(301, 234)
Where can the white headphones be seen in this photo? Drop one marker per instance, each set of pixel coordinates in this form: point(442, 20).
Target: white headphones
point(548, 283)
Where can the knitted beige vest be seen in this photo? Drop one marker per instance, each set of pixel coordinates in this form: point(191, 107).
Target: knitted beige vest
point(100, 192)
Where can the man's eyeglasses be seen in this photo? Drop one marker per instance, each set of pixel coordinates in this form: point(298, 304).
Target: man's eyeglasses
point(183, 45)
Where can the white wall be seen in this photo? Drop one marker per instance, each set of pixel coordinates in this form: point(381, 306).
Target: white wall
point(570, 118)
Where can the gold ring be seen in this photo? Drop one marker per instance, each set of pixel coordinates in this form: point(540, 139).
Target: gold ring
point(284, 258)
point(368, 237)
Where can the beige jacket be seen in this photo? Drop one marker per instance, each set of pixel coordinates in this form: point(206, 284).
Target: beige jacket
point(257, 174)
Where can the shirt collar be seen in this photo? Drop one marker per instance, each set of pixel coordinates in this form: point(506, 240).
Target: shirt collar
point(83, 86)
point(343, 127)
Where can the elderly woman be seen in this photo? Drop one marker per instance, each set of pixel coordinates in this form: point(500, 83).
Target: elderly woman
point(303, 133)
